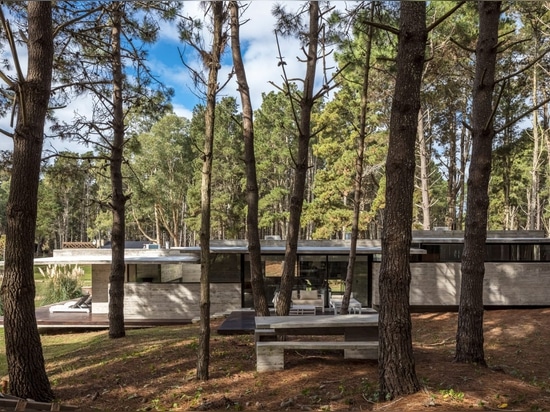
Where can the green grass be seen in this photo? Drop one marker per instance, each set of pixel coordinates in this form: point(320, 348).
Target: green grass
point(56, 346)
point(66, 345)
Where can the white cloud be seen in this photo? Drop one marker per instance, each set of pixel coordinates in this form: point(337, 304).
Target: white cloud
point(260, 54)
point(183, 111)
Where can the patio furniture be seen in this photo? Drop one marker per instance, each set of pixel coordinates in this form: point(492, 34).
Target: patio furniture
point(360, 337)
point(353, 307)
point(83, 304)
point(304, 303)
point(302, 309)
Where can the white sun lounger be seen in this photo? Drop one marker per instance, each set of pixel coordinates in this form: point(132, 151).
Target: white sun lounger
point(81, 305)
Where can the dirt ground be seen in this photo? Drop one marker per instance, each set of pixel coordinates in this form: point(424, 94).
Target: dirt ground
point(146, 373)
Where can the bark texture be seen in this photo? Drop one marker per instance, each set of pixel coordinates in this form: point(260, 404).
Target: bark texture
point(469, 337)
point(252, 194)
point(397, 373)
point(359, 166)
point(118, 200)
point(213, 61)
point(26, 367)
point(301, 164)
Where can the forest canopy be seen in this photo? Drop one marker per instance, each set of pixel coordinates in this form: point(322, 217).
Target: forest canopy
point(162, 163)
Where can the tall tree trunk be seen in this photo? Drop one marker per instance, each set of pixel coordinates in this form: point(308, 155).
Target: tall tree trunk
point(469, 344)
point(301, 165)
point(396, 367)
point(157, 223)
point(359, 166)
point(452, 184)
point(424, 156)
point(533, 202)
point(118, 201)
point(213, 62)
point(507, 182)
point(26, 367)
point(465, 144)
point(254, 248)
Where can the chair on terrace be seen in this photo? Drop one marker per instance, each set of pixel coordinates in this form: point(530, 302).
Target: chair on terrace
point(83, 304)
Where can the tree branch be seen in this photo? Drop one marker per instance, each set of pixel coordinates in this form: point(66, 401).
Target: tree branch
point(385, 27)
point(11, 84)
point(522, 115)
point(61, 27)
point(5, 132)
point(469, 50)
point(493, 113)
point(506, 78)
point(444, 17)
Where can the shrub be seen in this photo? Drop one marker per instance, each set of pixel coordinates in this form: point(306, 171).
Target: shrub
point(62, 282)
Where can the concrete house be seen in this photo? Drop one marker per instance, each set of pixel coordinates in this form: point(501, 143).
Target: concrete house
point(165, 283)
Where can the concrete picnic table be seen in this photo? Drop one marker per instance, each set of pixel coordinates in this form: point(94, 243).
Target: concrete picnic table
point(354, 327)
point(360, 337)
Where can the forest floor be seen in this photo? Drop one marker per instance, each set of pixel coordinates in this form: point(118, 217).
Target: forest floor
point(155, 370)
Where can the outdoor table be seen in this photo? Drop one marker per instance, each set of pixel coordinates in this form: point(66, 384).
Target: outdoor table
point(353, 327)
point(360, 334)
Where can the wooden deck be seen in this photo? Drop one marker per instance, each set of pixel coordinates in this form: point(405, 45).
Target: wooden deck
point(76, 320)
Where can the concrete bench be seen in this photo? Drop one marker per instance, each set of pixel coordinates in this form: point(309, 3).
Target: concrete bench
point(270, 355)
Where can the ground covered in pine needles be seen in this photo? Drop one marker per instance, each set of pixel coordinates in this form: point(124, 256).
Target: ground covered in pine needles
point(154, 370)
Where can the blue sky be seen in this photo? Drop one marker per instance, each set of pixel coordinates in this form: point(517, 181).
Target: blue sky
point(259, 49)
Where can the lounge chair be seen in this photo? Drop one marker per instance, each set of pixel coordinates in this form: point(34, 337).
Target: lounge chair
point(82, 305)
point(84, 302)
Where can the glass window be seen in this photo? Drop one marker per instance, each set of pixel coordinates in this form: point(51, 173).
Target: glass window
point(433, 253)
point(451, 252)
point(148, 273)
point(440, 252)
point(337, 271)
point(311, 272)
point(530, 253)
point(544, 252)
point(495, 252)
point(272, 268)
point(225, 268)
point(498, 253)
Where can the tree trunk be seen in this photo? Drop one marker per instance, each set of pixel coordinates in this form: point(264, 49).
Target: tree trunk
point(452, 184)
point(254, 248)
point(359, 165)
point(203, 359)
point(469, 344)
point(424, 155)
point(465, 144)
point(24, 356)
point(396, 367)
point(533, 201)
point(118, 201)
point(301, 165)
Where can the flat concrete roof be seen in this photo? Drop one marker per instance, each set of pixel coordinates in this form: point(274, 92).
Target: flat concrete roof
point(306, 250)
point(192, 254)
point(489, 241)
point(104, 259)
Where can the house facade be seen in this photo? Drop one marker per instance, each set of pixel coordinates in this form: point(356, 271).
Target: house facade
point(164, 283)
